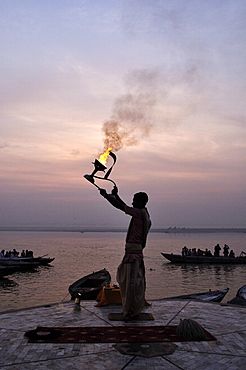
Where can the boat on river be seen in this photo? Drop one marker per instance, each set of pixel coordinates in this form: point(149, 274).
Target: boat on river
point(242, 292)
point(210, 296)
point(90, 285)
point(240, 298)
point(177, 258)
point(25, 261)
point(43, 261)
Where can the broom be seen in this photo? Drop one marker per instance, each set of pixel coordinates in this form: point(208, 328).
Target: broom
point(190, 329)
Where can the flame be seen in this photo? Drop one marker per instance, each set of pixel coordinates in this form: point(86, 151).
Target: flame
point(104, 156)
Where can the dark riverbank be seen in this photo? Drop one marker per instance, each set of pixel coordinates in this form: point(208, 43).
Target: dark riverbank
point(81, 229)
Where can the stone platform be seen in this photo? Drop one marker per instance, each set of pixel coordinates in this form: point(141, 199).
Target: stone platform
point(227, 323)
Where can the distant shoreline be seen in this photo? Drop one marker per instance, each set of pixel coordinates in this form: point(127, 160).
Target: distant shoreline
point(170, 230)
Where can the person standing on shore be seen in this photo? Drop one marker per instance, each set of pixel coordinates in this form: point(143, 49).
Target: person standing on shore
point(131, 271)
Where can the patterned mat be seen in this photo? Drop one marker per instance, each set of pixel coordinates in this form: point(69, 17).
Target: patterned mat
point(107, 334)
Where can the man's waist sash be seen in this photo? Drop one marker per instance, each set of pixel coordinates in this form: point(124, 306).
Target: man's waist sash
point(133, 248)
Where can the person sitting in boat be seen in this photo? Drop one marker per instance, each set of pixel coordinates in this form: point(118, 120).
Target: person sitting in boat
point(217, 250)
point(200, 252)
point(15, 253)
point(184, 251)
point(23, 254)
point(2, 253)
point(29, 253)
point(208, 253)
point(193, 252)
point(232, 254)
point(226, 250)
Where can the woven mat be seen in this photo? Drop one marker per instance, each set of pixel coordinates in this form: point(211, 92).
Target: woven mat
point(106, 334)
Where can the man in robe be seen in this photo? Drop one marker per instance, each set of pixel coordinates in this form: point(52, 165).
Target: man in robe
point(131, 271)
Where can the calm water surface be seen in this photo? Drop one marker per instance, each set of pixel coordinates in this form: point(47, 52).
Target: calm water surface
point(78, 254)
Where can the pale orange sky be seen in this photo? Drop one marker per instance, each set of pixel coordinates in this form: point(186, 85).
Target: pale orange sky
point(176, 69)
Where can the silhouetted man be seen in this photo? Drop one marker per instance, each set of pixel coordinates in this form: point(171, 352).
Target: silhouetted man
point(131, 271)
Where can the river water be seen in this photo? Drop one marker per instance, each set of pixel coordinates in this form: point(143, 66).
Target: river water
point(78, 254)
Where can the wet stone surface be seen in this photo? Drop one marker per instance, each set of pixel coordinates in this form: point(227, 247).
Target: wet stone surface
point(226, 323)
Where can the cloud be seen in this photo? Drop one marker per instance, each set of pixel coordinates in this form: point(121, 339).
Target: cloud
point(167, 77)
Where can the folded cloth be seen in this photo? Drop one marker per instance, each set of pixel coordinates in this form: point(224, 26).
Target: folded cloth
point(108, 295)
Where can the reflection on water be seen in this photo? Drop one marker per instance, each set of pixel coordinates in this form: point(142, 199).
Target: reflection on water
point(186, 269)
point(79, 254)
point(200, 278)
point(7, 285)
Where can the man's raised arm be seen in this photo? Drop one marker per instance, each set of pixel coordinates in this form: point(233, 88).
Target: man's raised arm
point(113, 198)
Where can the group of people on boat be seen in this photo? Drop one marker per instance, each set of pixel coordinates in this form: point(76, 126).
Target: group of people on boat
point(192, 252)
point(226, 253)
point(14, 253)
point(207, 252)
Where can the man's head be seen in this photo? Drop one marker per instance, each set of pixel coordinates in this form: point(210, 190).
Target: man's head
point(140, 200)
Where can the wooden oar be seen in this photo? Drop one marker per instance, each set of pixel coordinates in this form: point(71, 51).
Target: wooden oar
point(44, 255)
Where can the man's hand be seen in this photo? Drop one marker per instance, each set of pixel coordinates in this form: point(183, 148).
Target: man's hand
point(103, 192)
point(113, 199)
point(115, 190)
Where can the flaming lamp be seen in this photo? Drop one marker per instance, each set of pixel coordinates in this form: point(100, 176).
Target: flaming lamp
point(98, 167)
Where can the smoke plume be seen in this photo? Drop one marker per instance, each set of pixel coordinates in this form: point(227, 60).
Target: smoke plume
point(161, 98)
point(132, 114)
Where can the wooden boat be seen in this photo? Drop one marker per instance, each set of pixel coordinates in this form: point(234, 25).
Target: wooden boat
point(31, 261)
point(14, 262)
point(210, 296)
point(90, 285)
point(242, 292)
point(43, 261)
point(240, 298)
point(176, 258)
point(10, 265)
